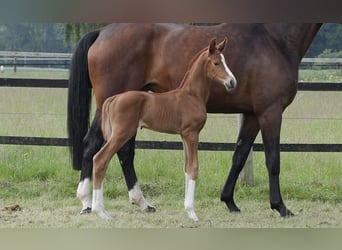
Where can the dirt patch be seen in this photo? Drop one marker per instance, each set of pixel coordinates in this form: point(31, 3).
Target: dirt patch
point(12, 208)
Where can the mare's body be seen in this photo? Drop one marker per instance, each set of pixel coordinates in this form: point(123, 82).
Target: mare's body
point(264, 58)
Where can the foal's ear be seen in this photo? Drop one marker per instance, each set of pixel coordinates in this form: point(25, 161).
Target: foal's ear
point(212, 46)
point(222, 45)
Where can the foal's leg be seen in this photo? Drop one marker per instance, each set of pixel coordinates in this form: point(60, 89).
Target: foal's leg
point(101, 161)
point(190, 143)
point(270, 123)
point(248, 131)
point(126, 159)
point(92, 143)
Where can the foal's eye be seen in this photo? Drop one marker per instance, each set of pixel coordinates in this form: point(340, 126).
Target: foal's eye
point(216, 63)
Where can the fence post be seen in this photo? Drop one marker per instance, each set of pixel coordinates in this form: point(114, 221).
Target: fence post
point(247, 173)
point(15, 64)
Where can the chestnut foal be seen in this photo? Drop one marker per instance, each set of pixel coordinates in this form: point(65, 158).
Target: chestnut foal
point(180, 111)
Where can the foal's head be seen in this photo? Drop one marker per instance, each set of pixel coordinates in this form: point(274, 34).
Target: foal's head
point(217, 68)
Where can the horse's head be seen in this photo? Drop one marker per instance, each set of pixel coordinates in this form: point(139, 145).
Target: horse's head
point(217, 68)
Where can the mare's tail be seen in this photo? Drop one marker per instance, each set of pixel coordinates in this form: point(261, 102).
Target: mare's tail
point(79, 98)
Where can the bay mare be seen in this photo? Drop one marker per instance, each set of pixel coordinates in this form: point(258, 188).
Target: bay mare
point(121, 57)
point(180, 111)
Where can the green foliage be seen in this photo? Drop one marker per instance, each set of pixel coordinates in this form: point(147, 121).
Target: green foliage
point(330, 53)
point(74, 31)
point(54, 37)
point(33, 37)
point(328, 37)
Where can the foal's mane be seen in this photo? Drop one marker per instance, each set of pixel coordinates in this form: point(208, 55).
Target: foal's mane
point(194, 59)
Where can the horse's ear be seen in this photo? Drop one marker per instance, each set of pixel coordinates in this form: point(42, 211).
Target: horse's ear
point(222, 45)
point(212, 46)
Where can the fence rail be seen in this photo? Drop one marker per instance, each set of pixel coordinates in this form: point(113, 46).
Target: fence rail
point(23, 54)
point(62, 83)
point(164, 145)
point(174, 145)
point(36, 59)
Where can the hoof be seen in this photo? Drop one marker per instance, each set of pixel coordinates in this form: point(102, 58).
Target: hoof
point(287, 214)
point(284, 212)
point(192, 215)
point(86, 211)
point(234, 210)
point(103, 214)
point(150, 209)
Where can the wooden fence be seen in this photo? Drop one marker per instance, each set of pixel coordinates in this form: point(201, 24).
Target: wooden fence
point(167, 145)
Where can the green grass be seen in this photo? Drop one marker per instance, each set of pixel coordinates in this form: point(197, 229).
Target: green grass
point(31, 72)
point(42, 182)
point(325, 75)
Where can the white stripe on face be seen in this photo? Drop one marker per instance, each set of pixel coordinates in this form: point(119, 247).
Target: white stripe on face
point(226, 68)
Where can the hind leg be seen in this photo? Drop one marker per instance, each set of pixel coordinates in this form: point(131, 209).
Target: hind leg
point(100, 162)
point(126, 159)
point(247, 134)
point(92, 144)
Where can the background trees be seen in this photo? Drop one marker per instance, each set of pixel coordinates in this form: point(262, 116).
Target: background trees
point(328, 41)
point(52, 37)
point(44, 37)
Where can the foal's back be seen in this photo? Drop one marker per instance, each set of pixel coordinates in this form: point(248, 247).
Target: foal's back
point(170, 112)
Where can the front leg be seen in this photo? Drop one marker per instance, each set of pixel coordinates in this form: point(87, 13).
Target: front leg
point(248, 132)
point(270, 122)
point(190, 143)
point(189, 200)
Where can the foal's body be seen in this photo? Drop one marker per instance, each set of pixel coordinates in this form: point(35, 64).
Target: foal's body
point(181, 111)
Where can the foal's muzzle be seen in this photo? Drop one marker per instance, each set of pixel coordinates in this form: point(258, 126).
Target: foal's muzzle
point(230, 85)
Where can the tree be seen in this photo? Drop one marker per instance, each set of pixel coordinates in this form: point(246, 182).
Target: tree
point(74, 31)
point(329, 37)
point(32, 37)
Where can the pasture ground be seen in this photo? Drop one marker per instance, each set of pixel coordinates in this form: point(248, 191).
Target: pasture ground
point(41, 181)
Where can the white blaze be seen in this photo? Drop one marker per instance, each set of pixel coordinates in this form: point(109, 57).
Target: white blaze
point(229, 72)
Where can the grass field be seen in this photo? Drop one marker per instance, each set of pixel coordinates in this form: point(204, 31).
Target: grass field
point(42, 182)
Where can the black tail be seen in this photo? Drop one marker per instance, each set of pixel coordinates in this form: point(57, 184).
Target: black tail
point(79, 98)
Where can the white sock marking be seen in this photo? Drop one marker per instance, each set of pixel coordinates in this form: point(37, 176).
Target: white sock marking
point(189, 201)
point(83, 193)
point(98, 206)
point(136, 197)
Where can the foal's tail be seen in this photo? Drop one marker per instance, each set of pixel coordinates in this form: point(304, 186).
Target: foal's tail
point(79, 98)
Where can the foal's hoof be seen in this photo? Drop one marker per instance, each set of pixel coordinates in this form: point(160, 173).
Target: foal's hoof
point(192, 215)
point(150, 209)
point(86, 211)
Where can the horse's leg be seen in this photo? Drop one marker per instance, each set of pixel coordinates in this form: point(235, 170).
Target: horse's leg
point(92, 143)
point(190, 143)
point(126, 159)
point(270, 123)
point(248, 131)
point(100, 162)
